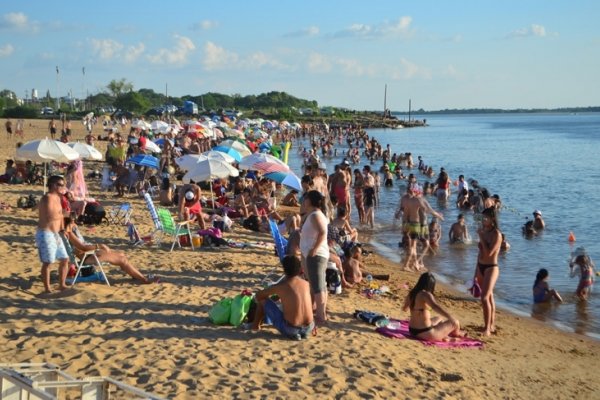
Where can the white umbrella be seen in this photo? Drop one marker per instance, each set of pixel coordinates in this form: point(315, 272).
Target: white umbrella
point(210, 169)
point(45, 150)
point(239, 147)
point(140, 124)
point(249, 162)
point(219, 156)
point(152, 147)
point(188, 161)
point(159, 126)
point(85, 151)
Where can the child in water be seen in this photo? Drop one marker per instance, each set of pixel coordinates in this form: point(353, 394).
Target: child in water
point(581, 259)
point(541, 290)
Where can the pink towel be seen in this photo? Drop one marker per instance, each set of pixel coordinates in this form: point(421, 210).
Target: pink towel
point(399, 330)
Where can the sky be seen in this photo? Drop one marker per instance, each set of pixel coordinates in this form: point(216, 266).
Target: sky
point(439, 54)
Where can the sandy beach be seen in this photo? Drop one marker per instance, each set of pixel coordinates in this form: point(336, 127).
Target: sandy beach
point(158, 337)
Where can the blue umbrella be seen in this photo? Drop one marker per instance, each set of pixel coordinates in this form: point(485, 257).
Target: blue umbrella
point(288, 179)
point(228, 150)
point(144, 160)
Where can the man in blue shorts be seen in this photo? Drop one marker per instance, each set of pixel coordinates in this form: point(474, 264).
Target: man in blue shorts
point(295, 319)
point(47, 238)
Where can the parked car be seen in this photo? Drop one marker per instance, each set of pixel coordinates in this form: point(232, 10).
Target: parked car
point(47, 111)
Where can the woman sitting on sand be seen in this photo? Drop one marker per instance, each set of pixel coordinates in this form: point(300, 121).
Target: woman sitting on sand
point(104, 254)
point(420, 301)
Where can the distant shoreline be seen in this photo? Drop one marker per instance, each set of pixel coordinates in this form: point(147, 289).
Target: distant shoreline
point(503, 111)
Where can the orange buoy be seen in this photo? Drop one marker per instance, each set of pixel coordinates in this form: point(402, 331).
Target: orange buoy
point(571, 237)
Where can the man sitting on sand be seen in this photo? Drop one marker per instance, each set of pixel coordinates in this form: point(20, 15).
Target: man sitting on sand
point(296, 319)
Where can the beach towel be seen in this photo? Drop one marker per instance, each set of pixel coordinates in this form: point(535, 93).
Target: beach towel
point(399, 330)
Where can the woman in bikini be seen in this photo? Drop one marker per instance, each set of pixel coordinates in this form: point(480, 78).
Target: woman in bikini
point(487, 271)
point(420, 301)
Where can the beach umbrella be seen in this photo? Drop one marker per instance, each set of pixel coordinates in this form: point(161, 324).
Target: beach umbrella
point(220, 156)
point(249, 162)
point(161, 141)
point(188, 161)
point(46, 150)
point(268, 167)
point(140, 124)
point(85, 151)
point(239, 147)
point(229, 151)
point(144, 160)
point(152, 147)
point(288, 179)
point(235, 133)
point(159, 126)
point(208, 170)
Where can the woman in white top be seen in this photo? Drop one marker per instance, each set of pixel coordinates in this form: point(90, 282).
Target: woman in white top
point(314, 249)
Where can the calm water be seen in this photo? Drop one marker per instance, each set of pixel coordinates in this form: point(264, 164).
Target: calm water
point(533, 161)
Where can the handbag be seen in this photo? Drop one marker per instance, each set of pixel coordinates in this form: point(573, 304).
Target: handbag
point(475, 289)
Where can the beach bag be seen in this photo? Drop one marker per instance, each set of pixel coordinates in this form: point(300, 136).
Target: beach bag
point(94, 214)
point(220, 312)
point(240, 305)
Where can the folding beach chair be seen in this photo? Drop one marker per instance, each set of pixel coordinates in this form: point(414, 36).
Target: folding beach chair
point(153, 214)
point(120, 214)
point(81, 262)
point(280, 241)
point(171, 228)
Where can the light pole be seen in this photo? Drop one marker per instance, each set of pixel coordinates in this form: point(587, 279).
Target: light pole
point(57, 90)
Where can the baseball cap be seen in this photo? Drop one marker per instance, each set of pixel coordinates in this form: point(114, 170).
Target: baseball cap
point(537, 212)
point(189, 195)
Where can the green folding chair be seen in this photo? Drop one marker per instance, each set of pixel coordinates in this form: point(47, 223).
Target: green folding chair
point(172, 228)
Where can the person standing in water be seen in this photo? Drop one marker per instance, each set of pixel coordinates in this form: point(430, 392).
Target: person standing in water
point(487, 270)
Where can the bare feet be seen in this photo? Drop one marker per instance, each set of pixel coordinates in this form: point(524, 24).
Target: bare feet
point(151, 279)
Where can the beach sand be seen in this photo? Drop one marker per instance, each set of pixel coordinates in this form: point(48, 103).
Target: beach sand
point(158, 337)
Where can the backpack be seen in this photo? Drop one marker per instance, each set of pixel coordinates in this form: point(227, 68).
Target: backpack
point(27, 201)
point(252, 223)
point(333, 279)
point(94, 214)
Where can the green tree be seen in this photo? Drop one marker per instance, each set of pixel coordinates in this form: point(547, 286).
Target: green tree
point(119, 87)
point(132, 101)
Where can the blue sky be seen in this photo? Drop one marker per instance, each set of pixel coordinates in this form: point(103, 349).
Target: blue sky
point(440, 54)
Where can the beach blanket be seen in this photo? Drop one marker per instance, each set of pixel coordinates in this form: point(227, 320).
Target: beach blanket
point(399, 330)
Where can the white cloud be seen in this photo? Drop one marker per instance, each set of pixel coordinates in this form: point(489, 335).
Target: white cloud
point(106, 49)
point(319, 63)
point(260, 60)
point(6, 50)
point(450, 71)
point(322, 64)
point(396, 28)
point(133, 53)
point(177, 55)
point(205, 25)
point(14, 20)
point(216, 57)
point(305, 32)
point(533, 30)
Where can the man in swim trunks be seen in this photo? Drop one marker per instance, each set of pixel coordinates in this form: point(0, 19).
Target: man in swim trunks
point(413, 206)
point(295, 320)
point(458, 232)
point(47, 239)
point(189, 204)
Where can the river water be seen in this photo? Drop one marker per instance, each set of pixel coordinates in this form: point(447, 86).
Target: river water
point(549, 162)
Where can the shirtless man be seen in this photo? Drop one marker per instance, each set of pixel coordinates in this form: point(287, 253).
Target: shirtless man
point(339, 187)
point(412, 206)
point(296, 320)
point(50, 245)
point(189, 204)
point(8, 126)
point(458, 232)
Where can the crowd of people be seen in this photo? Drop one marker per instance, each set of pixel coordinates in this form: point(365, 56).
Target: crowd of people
point(319, 232)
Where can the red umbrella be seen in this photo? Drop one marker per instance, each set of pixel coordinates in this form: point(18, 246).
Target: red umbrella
point(268, 167)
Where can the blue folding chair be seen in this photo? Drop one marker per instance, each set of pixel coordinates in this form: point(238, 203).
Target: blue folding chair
point(280, 242)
